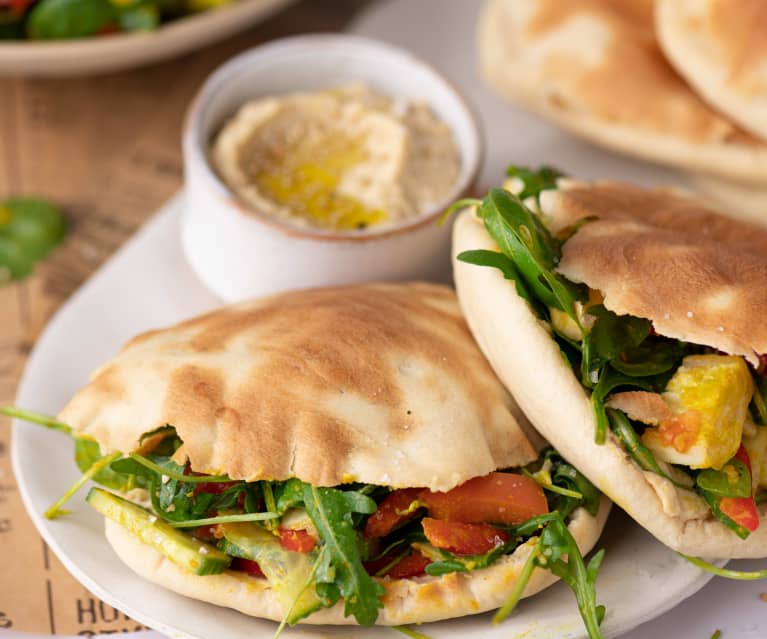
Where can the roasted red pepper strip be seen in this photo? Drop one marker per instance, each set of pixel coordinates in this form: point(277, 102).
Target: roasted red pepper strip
point(502, 498)
point(248, 566)
point(296, 540)
point(463, 539)
point(742, 510)
point(412, 565)
point(390, 513)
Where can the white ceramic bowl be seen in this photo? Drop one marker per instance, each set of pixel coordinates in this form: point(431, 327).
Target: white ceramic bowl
point(240, 253)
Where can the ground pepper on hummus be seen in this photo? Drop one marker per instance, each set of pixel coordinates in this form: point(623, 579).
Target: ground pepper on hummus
point(341, 159)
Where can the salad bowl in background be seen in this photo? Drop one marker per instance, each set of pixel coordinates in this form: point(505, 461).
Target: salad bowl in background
point(118, 51)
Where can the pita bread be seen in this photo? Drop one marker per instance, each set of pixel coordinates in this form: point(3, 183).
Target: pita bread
point(529, 362)
point(594, 68)
point(416, 600)
point(697, 275)
point(382, 383)
point(327, 385)
point(742, 201)
point(720, 47)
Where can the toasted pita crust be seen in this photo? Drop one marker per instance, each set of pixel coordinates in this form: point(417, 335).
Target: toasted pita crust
point(744, 202)
point(662, 255)
point(720, 47)
point(421, 599)
point(381, 384)
point(594, 68)
point(529, 362)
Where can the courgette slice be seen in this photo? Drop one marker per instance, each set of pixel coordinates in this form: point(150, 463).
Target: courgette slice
point(181, 548)
point(288, 573)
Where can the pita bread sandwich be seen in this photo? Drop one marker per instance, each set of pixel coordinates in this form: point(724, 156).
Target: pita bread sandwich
point(594, 68)
point(331, 456)
point(720, 47)
point(629, 325)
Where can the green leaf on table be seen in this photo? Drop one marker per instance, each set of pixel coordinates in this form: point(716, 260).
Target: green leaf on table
point(343, 573)
point(29, 229)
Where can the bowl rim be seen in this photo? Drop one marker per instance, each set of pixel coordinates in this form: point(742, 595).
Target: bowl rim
point(471, 155)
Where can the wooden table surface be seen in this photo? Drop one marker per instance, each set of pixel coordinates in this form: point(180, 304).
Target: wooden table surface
point(106, 149)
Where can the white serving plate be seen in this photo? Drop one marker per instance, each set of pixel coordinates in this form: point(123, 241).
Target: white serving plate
point(127, 50)
point(148, 284)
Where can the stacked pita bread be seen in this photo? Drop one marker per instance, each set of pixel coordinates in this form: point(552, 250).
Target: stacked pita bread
point(380, 384)
point(595, 68)
point(743, 201)
point(720, 47)
point(654, 254)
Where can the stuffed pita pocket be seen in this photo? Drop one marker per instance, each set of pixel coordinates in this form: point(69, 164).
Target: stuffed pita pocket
point(330, 456)
point(629, 325)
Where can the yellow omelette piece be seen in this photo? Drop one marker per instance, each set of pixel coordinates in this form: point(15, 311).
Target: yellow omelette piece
point(709, 397)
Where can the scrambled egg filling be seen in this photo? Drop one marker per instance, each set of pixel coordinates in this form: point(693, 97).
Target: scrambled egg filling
point(709, 397)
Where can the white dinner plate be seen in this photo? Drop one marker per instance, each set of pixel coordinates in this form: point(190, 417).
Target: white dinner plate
point(148, 284)
point(118, 51)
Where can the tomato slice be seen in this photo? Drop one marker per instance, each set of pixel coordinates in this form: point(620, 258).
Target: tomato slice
point(463, 539)
point(502, 498)
point(742, 510)
point(248, 566)
point(390, 512)
point(296, 540)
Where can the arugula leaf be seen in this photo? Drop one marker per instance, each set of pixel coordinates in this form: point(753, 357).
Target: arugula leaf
point(87, 453)
point(343, 574)
point(498, 260)
point(571, 489)
point(609, 380)
point(569, 477)
point(522, 237)
point(733, 480)
point(609, 337)
point(632, 444)
point(654, 356)
point(36, 418)
point(533, 182)
point(713, 503)
point(289, 495)
point(759, 401)
point(738, 575)
point(555, 543)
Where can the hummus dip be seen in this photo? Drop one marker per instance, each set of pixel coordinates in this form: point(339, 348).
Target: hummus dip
point(339, 159)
